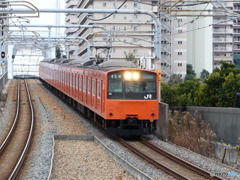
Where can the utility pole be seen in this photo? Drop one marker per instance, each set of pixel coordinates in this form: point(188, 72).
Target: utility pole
point(57, 18)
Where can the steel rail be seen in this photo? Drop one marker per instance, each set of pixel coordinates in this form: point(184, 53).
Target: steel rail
point(19, 164)
point(150, 160)
point(189, 166)
point(12, 129)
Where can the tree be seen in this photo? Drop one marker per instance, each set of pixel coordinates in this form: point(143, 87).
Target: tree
point(58, 53)
point(204, 74)
point(221, 86)
point(130, 57)
point(168, 94)
point(187, 92)
point(212, 92)
point(236, 58)
point(174, 80)
point(217, 90)
point(190, 73)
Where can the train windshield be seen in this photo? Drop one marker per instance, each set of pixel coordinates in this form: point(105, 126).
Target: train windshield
point(132, 85)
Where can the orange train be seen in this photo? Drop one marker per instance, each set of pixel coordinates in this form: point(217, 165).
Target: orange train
point(122, 98)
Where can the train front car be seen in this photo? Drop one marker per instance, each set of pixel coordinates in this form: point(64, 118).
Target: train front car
point(132, 106)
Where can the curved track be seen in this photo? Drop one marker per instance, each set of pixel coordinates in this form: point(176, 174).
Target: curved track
point(14, 147)
point(166, 161)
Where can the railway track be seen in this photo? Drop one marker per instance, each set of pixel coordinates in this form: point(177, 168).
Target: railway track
point(14, 148)
point(166, 161)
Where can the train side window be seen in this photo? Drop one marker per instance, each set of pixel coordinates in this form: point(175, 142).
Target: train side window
point(73, 80)
point(66, 79)
point(98, 89)
point(89, 85)
point(93, 87)
point(84, 84)
point(70, 79)
point(76, 81)
point(80, 82)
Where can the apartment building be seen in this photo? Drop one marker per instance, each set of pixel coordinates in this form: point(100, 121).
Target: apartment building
point(223, 37)
point(128, 34)
point(123, 34)
point(226, 35)
point(174, 44)
point(236, 34)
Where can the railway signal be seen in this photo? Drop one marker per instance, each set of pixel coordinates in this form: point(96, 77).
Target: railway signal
point(3, 54)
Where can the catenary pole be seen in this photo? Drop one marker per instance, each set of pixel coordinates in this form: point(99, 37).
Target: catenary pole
point(157, 33)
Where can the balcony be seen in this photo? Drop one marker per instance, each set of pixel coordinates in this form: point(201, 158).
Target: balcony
point(71, 4)
point(222, 49)
point(71, 18)
point(220, 58)
point(236, 48)
point(236, 39)
point(236, 8)
point(222, 40)
point(220, 22)
point(84, 3)
point(236, 24)
point(82, 19)
point(222, 31)
point(236, 31)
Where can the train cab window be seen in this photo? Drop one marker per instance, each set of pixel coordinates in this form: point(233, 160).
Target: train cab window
point(132, 85)
point(115, 85)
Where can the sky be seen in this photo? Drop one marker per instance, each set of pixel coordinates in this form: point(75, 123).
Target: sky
point(46, 18)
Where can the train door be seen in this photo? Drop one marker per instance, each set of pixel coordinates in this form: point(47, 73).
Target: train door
point(64, 82)
point(73, 85)
point(84, 90)
point(103, 96)
point(94, 93)
point(80, 88)
point(69, 83)
point(61, 80)
point(99, 100)
point(76, 86)
point(89, 98)
point(57, 79)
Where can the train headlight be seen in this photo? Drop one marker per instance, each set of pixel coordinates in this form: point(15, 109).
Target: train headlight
point(135, 76)
point(127, 76)
point(131, 76)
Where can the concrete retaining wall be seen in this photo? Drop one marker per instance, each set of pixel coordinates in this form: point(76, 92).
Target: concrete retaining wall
point(162, 123)
point(225, 122)
point(3, 81)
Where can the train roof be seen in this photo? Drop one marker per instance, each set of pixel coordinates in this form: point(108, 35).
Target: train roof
point(94, 64)
point(116, 64)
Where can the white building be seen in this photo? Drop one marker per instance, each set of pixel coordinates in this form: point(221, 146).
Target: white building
point(200, 42)
point(130, 33)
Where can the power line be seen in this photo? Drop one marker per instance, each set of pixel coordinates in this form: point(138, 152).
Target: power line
point(108, 15)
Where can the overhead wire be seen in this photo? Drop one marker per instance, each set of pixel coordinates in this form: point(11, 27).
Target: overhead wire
point(108, 15)
point(202, 27)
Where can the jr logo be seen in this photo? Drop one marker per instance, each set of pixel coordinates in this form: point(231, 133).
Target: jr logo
point(148, 96)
